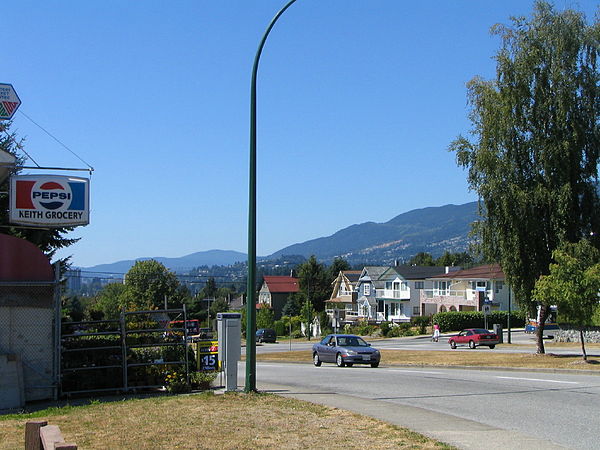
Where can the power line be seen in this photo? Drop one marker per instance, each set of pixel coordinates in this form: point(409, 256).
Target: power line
point(57, 140)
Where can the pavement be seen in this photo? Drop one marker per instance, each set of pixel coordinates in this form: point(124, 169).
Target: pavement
point(461, 433)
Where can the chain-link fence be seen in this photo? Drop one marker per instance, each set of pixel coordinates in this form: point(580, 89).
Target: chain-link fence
point(28, 335)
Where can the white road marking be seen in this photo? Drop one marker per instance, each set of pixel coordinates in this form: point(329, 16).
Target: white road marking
point(539, 379)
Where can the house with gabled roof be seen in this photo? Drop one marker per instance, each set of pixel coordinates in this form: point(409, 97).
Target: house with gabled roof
point(343, 295)
point(400, 297)
point(275, 291)
point(467, 290)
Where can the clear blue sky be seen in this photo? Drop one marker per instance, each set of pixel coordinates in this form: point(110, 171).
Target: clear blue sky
point(358, 101)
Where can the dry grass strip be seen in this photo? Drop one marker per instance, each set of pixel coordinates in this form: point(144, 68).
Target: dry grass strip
point(203, 421)
point(481, 357)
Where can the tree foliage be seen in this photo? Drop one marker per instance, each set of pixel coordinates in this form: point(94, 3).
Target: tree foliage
point(573, 284)
point(338, 265)
point(535, 144)
point(422, 259)
point(314, 282)
point(147, 285)
point(47, 240)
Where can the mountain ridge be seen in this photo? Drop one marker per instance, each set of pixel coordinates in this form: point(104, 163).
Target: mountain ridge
point(432, 229)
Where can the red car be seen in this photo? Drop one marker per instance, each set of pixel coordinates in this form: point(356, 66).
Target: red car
point(474, 337)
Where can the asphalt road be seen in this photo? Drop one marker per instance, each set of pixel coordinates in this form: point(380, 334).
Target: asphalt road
point(521, 343)
point(468, 408)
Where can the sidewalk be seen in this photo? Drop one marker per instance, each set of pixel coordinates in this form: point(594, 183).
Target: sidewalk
point(461, 433)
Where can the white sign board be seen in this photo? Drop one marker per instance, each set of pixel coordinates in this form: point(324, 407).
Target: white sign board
point(49, 201)
point(9, 101)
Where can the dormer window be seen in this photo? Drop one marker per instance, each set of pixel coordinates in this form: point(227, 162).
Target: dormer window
point(367, 288)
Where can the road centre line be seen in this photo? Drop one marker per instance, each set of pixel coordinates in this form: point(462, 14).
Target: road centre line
point(538, 379)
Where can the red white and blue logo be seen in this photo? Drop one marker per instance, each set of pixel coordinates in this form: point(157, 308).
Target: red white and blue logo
point(49, 200)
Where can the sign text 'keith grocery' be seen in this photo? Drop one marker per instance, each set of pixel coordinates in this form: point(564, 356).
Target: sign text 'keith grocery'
point(49, 200)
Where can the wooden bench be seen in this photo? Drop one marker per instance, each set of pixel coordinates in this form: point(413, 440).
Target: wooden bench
point(41, 436)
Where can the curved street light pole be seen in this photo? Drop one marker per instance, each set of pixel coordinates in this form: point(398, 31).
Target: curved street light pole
point(251, 286)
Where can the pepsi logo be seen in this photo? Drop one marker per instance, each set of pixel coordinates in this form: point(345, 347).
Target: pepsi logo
point(51, 195)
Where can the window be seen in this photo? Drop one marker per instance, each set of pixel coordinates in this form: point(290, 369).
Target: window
point(404, 286)
point(395, 309)
point(499, 286)
point(441, 287)
point(388, 285)
point(416, 311)
point(419, 285)
point(380, 306)
point(367, 289)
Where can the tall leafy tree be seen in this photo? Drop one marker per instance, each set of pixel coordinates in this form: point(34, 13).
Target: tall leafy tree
point(314, 283)
point(533, 155)
point(573, 284)
point(47, 240)
point(148, 283)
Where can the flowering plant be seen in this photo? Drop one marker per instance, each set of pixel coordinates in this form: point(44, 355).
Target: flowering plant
point(176, 383)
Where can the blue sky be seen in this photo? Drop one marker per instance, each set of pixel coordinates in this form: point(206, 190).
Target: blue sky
point(357, 103)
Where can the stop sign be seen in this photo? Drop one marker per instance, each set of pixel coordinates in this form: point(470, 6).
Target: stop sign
point(9, 101)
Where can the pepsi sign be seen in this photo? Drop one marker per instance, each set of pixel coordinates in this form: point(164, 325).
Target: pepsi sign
point(49, 200)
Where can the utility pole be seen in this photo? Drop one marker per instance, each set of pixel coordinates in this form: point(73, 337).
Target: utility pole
point(251, 285)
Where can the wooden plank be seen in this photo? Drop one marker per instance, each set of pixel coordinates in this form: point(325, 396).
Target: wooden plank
point(50, 435)
point(32, 434)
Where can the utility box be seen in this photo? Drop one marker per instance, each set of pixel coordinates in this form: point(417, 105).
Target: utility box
point(498, 331)
point(229, 328)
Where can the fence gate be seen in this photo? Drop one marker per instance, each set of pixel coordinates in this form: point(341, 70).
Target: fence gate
point(133, 352)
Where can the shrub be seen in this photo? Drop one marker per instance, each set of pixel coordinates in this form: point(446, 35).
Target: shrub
point(280, 328)
point(176, 383)
point(202, 380)
point(458, 320)
point(422, 322)
point(385, 328)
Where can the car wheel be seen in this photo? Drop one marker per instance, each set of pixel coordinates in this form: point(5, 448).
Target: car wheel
point(374, 365)
point(471, 344)
point(339, 360)
point(452, 344)
point(492, 346)
point(316, 360)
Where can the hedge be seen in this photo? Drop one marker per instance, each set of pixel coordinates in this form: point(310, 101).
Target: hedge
point(455, 320)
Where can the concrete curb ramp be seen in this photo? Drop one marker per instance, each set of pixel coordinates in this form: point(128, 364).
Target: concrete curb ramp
point(461, 433)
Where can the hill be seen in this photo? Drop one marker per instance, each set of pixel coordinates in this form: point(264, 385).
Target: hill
point(433, 230)
point(181, 264)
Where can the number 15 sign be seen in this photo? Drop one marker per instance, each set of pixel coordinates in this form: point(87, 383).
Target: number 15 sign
point(207, 355)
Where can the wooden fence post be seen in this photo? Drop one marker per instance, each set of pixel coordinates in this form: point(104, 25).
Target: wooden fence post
point(32, 434)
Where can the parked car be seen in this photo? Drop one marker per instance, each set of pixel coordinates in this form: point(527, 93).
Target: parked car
point(474, 337)
point(266, 335)
point(345, 350)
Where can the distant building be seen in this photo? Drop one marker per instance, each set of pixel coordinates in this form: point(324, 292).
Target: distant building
point(74, 280)
point(275, 291)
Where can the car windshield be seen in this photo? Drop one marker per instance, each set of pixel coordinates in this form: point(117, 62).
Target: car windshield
point(351, 341)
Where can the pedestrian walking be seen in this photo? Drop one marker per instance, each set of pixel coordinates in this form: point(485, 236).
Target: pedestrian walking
point(436, 332)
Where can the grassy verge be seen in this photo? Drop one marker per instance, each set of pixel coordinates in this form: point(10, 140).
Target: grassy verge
point(479, 358)
point(228, 421)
